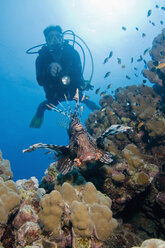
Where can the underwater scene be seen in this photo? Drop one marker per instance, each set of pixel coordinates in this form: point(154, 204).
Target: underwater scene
point(82, 124)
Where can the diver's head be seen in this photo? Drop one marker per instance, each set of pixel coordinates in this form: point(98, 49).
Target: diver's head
point(53, 36)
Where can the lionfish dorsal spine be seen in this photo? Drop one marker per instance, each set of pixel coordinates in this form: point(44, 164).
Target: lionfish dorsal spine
point(68, 112)
point(54, 108)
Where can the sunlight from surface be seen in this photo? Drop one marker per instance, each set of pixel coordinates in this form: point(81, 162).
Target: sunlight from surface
point(103, 16)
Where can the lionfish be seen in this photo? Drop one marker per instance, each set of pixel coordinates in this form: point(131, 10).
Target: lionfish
point(83, 148)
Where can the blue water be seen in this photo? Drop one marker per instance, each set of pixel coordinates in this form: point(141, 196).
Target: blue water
point(22, 24)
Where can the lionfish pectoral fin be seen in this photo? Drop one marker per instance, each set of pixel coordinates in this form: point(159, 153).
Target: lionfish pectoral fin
point(64, 165)
point(112, 130)
point(59, 150)
point(106, 158)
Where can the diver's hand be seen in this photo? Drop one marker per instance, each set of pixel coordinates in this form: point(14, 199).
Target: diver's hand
point(55, 68)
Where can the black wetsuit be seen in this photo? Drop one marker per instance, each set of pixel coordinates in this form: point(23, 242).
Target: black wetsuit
point(70, 62)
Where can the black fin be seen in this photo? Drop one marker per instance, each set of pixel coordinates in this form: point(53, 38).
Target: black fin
point(64, 165)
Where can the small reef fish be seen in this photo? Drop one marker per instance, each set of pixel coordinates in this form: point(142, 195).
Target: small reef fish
point(102, 93)
point(106, 60)
point(145, 64)
point(124, 28)
point(110, 54)
point(132, 60)
point(135, 68)
point(137, 28)
point(160, 66)
point(123, 66)
point(109, 86)
point(111, 113)
point(82, 147)
point(149, 12)
point(135, 75)
point(97, 91)
point(87, 97)
point(146, 51)
point(140, 59)
point(107, 74)
point(153, 23)
point(144, 81)
point(140, 125)
point(119, 61)
point(156, 6)
point(127, 77)
point(160, 155)
point(161, 22)
point(162, 53)
point(163, 8)
point(143, 35)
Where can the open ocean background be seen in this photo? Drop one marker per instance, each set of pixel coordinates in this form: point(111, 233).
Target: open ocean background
point(99, 24)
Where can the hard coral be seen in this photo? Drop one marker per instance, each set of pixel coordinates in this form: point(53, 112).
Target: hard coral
point(133, 156)
point(5, 169)
point(52, 209)
point(9, 199)
point(154, 74)
point(86, 208)
point(152, 243)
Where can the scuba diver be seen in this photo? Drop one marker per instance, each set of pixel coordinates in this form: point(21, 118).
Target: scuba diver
point(59, 71)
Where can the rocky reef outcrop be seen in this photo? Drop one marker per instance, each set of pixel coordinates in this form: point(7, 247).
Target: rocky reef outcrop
point(155, 74)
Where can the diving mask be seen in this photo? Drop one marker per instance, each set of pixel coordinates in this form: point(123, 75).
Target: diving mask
point(53, 38)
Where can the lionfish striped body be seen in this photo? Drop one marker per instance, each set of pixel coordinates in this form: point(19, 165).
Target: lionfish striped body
point(83, 148)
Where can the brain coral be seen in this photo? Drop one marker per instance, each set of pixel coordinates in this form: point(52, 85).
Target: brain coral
point(9, 199)
point(87, 209)
point(5, 169)
point(152, 243)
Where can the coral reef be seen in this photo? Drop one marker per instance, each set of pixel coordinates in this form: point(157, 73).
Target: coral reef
point(75, 209)
point(157, 243)
point(9, 201)
point(5, 169)
point(140, 157)
point(83, 207)
point(67, 217)
point(157, 75)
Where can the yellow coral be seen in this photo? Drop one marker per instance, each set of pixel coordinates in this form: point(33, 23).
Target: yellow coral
point(90, 194)
point(132, 156)
point(5, 169)
point(152, 243)
point(9, 199)
point(104, 224)
point(85, 207)
point(80, 218)
point(68, 193)
point(52, 207)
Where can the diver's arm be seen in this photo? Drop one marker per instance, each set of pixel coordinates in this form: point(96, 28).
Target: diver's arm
point(41, 71)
